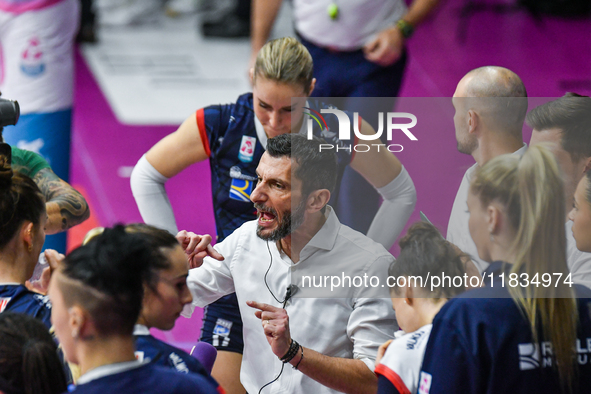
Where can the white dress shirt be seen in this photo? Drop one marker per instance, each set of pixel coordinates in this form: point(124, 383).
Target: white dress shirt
point(458, 232)
point(352, 327)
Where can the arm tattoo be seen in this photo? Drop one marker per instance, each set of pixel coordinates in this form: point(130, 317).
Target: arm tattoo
point(73, 208)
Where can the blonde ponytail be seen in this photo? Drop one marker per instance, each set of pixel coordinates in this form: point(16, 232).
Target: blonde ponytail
point(531, 190)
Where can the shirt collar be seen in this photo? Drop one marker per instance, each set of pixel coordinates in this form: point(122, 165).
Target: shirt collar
point(262, 136)
point(326, 237)
point(140, 329)
point(107, 370)
point(521, 150)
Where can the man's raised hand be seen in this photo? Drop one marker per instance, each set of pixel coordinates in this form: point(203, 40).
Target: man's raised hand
point(197, 247)
point(276, 326)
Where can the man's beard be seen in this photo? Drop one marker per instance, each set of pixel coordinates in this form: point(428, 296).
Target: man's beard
point(467, 146)
point(286, 226)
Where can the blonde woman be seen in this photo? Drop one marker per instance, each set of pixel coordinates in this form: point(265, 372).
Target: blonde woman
point(522, 332)
point(234, 137)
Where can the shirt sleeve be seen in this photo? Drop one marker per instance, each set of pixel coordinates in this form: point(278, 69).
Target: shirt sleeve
point(213, 279)
point(400, 197)
point(27, 162)
point(458, 232)
point(147, 187)
point(458, 213)
point(372, 321)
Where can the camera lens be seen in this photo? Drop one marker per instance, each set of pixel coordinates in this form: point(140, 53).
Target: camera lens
point(9, 112)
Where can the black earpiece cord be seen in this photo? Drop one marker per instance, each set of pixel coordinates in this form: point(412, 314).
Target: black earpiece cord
point(284, 302)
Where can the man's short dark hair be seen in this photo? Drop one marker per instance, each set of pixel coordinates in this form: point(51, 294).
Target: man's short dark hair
point(571, 114)
point(316, 169)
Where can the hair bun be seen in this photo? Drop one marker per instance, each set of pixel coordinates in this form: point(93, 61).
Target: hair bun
point(5, 166)
point(421, 232)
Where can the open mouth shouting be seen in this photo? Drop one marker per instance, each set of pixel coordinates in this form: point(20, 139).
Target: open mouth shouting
point(270, 227)
point(266, 216)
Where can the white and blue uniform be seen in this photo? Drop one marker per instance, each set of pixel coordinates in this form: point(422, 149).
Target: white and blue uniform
point(482, 343)
point(398, 371)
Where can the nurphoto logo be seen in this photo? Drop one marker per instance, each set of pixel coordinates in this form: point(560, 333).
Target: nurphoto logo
point(344, 133)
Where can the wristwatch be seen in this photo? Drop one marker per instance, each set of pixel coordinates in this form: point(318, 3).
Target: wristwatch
point(405, 28)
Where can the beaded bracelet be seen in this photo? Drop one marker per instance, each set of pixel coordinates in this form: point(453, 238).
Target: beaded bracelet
point(298, 364)
point(292, 352)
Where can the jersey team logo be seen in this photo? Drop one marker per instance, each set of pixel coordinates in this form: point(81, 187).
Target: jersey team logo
point(3, 302)
point(240, 190)
point(139, 355)
point(247, 149)
point(529, 356)
point(32, 63)
point(425, 382)
point(222, 327)
point(221, 331)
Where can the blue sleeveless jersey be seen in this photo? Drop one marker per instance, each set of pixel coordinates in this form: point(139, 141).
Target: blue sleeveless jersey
point(234, 151)
point(149, 379)
point(18, 299)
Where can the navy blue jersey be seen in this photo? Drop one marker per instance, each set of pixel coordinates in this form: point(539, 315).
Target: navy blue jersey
point(481, 343)
point(230, 140)
point(161, 353)
point(149, 379)
point(17, 298)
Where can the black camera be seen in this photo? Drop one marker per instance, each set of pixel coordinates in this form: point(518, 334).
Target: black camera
point(9, 112)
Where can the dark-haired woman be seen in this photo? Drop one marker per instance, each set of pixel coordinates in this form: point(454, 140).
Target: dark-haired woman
point(29, 362)
point(22, 221)
point(162, 305)
point(423, 253)
point(528, 330)
point(97, 296)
